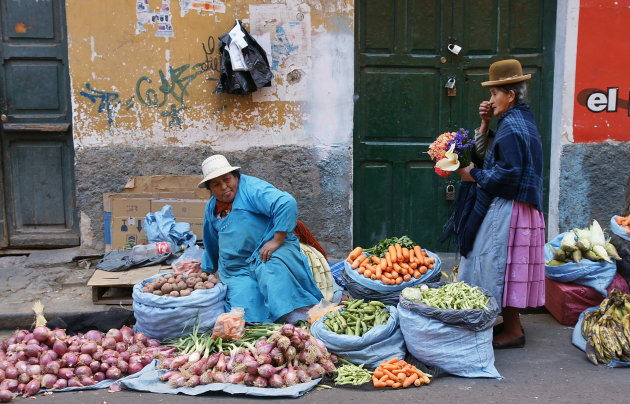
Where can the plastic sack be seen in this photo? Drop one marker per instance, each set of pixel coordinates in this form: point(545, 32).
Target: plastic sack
point(361, 287)
point(161, 226)
point(578, 340)
point(618, 229)
point(163, 317)
point(382, 342)
point(148, 379)
point(230, 325)
point(458, 342)
point(320, 310)
point(597, 275)
point(189, 261)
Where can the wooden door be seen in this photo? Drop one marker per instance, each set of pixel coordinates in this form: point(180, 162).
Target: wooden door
point(37, 152)
point(402, 65)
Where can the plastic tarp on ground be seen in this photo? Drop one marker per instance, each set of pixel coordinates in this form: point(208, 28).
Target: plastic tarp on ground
point(361, 287)
point(458, 342)
point(597, 275)
point(578, 340)
point(162, 317)
point(382, 342)
point(148, 379)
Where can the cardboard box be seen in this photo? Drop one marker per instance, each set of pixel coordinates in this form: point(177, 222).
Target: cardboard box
point(167, 183)
point(194, 208)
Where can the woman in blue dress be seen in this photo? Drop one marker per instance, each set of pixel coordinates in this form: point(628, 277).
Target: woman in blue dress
point(248, 237)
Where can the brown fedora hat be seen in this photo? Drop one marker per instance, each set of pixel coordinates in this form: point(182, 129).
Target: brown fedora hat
point(505, 72)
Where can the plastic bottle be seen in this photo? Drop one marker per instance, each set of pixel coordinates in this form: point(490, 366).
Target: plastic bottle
point(153, 249)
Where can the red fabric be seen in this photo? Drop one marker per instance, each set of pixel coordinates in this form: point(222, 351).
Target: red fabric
point(306, 237)
point(222, 207)
point(566, 301)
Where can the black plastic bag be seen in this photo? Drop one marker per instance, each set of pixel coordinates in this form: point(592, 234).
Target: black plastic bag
point(258, 74)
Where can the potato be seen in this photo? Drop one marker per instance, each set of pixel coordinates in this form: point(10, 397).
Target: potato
point(167, 288)
point(208, 284)
point(145, 289)
point(150, 287)
point(181, 285)
point(203, 276)
point(158, 292)
point(191, 281)
point(184, 292)
point(199, 285)
point(174, 293)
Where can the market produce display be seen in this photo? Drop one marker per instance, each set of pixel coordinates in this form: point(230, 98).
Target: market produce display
point(396, 373)
point(451, 296)
point(349, 373)
point(356, 317)
point(268, 355)
point(391, 261)
point(624, 222)
point(177, 285)
point(589, 243)
point(50, 359)
point(607, 329)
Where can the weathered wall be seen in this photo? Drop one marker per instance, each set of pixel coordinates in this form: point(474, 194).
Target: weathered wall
point(143, 102)
point(593, 183)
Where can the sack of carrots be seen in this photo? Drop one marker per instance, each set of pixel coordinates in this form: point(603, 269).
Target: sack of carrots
point(620, 226)
point(396, 373)
point(393, 262)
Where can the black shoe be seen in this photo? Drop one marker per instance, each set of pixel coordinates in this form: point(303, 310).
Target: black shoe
point(518, 342)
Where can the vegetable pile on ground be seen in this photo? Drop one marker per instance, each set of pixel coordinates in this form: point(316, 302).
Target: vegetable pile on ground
point(392, 261)
point(356, 317)
point(624, 222)
point(349, 373)
point(451, 296)
point(50, 359)
point(397, 373)
point(589, 243)
point(180, 284)
point(268, 355)
point(607, 329)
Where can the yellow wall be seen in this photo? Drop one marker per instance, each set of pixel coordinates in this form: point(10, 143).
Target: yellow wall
point(116, 70)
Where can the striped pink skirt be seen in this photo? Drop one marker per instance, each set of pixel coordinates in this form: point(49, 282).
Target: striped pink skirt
point(525, 270)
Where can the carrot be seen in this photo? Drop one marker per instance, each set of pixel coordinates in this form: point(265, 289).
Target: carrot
point(383, 264)
point(389, 374)
point(418, 251)
point(393, 253)
point(412, 255)
point(413, 265)
point(388, 257)
point(379, 385)
point(390, 367)
point(418, 382)
point(423, 270)
point(399, 254)
point(378, 373)
point(396, 385)
point(358, 261)
point(392, 360)
point(361, 270)
point(367, 273)
point(354, 254)
point(404, 265)
point(401, 376)
point(397, 267)
point(389, 382)
point(378, 272)
point(430, 266)
point(416, 274)
point(375, 259)
point(405, 253)
point(404, 272)
point(407, 277)
point(409, 381)
point(399, 280)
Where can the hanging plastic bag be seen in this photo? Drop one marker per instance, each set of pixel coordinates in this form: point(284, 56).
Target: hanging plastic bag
point(320, 310)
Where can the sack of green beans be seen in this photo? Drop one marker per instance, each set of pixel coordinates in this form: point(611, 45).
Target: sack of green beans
point(362, 332)
point(449, 325)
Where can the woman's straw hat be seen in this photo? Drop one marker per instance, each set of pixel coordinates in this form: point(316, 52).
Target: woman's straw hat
point(505, 72)
point(213, 167)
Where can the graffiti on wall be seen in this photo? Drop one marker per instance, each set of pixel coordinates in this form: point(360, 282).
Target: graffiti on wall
point(602, 84)
point(211, 6)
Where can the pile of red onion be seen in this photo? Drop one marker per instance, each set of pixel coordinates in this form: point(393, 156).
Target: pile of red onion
point(288, 357)
point(50, 359)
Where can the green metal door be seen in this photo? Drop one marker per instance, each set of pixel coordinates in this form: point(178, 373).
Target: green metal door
point(402, 65)
point(37, 152)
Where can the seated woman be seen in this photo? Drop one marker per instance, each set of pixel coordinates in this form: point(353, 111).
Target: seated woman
point(248, 237)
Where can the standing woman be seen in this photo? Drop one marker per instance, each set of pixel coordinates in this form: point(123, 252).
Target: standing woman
point(248, 237)
point(507, 256)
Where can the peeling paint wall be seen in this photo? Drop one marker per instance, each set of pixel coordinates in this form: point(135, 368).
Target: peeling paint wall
point(142, 80)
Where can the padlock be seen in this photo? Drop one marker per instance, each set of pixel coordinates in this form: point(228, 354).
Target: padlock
point(450, 83)
point(450, 192)
point(451, 92)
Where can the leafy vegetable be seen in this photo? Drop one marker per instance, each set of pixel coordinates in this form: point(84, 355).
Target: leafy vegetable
point(380, 248)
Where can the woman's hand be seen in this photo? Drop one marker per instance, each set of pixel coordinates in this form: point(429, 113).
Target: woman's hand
point(485, 113)
point(272, 245)
point(464, 173)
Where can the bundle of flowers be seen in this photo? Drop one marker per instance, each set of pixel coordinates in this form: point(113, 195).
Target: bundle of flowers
point(451, 150)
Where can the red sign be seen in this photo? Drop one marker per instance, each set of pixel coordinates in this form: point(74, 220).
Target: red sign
point(602, 83)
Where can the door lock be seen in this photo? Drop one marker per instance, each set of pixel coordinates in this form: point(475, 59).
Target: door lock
point(451, 91)
point(450, 192)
